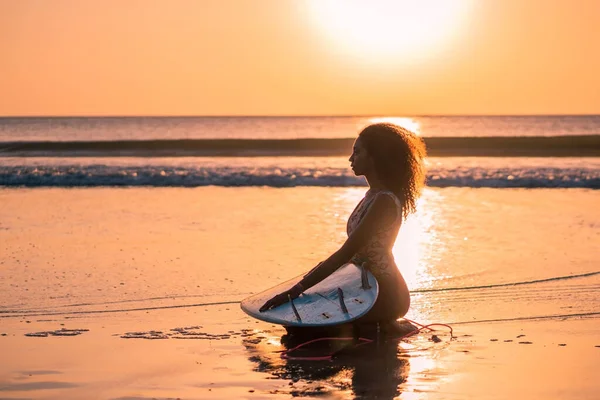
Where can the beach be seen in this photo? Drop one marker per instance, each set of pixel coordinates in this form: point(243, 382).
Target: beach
point(513, 271)
point(164, 163)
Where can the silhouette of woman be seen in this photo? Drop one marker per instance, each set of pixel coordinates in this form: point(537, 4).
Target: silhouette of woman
point(391, 159)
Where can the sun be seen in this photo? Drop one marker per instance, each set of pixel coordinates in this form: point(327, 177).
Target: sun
point(390, 29)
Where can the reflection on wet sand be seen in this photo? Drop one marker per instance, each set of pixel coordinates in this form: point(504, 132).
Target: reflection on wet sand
point(375, 370)
point(381, 369)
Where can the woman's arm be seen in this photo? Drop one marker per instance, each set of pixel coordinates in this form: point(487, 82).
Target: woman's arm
point(381, 213)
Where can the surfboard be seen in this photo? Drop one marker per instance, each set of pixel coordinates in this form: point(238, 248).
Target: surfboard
point(347, 294)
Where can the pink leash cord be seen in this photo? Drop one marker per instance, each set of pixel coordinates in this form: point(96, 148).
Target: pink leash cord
point(329, 357)
point(285, 353)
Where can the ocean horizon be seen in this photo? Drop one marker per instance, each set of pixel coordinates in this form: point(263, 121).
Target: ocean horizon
point(109, 128)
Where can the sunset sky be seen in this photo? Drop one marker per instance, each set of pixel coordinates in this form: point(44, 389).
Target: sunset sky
point(284, 57)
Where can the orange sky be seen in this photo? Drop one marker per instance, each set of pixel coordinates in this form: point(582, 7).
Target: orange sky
point(273, 57)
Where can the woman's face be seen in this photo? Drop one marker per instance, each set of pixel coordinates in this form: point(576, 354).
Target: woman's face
point(360, 160)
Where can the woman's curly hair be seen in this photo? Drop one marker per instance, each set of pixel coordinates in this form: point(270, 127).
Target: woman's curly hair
point(398, 155)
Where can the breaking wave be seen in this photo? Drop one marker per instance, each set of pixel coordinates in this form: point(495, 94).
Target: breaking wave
point(190, 176)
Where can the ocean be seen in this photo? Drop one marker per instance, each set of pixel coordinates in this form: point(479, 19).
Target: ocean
point(529, 152)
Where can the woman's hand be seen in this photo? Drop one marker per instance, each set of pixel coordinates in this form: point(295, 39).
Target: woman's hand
point(282, 298)
point(276, 301)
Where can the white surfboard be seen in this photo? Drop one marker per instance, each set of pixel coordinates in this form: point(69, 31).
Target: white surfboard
point(347, 294)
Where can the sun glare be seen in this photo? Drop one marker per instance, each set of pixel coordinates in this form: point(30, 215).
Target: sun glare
point(407, 123)
point(392, 29)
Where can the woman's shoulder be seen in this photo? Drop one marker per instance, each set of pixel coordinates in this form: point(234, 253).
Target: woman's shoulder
point(389, 194)
point(388, 199)
point(384, 200)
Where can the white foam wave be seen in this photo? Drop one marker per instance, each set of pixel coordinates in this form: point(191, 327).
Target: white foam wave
point(191, 176)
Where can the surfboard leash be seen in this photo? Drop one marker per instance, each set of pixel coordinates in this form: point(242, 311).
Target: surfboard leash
point(285, 354)
point(328, 357)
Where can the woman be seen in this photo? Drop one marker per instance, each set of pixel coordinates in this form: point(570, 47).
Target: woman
point(391, 159)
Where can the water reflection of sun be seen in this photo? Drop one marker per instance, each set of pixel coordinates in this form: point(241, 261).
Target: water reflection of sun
point(418, 244)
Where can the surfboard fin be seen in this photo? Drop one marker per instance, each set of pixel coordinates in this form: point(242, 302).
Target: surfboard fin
point(342, 304)
point(363, 277)
point(294, 309)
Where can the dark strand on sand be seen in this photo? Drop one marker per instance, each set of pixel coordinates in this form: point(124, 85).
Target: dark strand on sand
point(44, 312)
point(508, 284)
point(531, 318)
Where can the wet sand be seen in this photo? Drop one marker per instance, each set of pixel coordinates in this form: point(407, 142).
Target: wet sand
point(133, 294)
point(156, 355)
